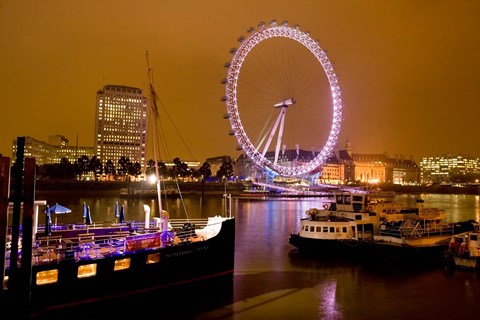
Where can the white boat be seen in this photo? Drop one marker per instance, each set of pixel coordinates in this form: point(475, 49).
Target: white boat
point(343, 225)
point(464, 250)
point(149, 192)
point(422, 237)
point(253, 194)
point(356, 224)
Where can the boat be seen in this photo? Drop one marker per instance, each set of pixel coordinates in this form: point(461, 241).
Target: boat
point(149, 192)
point(57, 267)
point(421, 238)
point(253, 194)
point(356, 224)
point(342, 226)
point(464, 250)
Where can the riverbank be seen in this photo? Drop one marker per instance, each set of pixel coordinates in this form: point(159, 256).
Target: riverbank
point(437, 189)
point(113, 187)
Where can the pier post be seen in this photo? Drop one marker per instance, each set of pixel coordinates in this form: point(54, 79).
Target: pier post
point(25, 278)
point(17, 204)
point(4, 194)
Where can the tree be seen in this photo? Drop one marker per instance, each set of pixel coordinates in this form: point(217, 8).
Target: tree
point(83, 165)
point(204, 172)
point(180, 168)
point(96, 167)
point(123, 166)
point(134, 169)
point(109, 168)
point(226, 170)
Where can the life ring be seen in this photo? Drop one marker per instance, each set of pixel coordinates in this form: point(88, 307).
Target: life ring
point(325, 206)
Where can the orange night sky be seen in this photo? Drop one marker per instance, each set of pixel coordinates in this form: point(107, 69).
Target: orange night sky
point(409, 70)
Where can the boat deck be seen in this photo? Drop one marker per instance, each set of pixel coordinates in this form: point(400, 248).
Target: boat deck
point(99, 242)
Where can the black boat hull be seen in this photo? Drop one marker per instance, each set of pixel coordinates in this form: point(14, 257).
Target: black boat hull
point(177, 266)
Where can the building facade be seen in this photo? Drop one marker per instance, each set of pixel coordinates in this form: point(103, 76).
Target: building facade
point(54, 151)
point(121, 124)
point(450, 168)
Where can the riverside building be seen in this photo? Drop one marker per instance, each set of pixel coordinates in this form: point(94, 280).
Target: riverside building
point(121, 124)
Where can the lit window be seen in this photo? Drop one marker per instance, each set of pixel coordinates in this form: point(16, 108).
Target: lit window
point(47, 276)
point(121, 264)
point(153, 258)
point(87, 270)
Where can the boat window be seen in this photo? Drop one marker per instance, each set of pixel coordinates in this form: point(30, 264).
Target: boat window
point(306, 228)
point(473, 237)
point(357, 198)
point(325, 229)
point(344, 229)
point(87, 270)
point(358, 217)
point(47, 276)
point(348, 199)
point(338, 229)
point(312, 229)
point(319, 229)
point(339, 199)
point(153, 258)
point(121, 264)
point(332, 229)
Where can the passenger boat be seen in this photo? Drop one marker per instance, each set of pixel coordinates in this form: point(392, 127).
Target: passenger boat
point(59, 268)
point(464, 250)
point(341, 226)
point(355, 224)
point(253, 194)
point(149, 192)
point(422, 237)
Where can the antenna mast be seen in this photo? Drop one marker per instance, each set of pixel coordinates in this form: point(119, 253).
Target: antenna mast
point(154, 114)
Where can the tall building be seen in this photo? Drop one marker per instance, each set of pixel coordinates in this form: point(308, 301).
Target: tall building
point(121, 124)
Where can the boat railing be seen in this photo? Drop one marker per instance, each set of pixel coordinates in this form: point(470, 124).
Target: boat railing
point(88, 244)
point(414, 229)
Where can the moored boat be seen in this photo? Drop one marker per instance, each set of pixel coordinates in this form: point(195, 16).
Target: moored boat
point(253, 194)
point(355, 223)
point(57, 268)
point(464, 250)
point(148, 192)
point(421, 239)
point(341, 226)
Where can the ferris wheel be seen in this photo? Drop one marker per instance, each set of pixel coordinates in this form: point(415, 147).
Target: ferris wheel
point(283, 99)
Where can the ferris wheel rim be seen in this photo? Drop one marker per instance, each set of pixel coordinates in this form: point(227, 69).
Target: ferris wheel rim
point(231, 83)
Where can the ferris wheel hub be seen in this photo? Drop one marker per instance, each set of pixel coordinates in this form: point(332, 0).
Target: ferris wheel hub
point(285, 103)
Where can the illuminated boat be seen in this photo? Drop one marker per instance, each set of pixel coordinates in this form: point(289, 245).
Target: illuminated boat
point(464, 250)
point(354, 223)
point(60, 268)
point(341, 226)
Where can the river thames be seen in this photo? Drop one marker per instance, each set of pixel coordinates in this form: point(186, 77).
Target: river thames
point(273, 281)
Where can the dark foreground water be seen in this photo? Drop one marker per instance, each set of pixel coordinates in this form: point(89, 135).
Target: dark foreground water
point(273, 281)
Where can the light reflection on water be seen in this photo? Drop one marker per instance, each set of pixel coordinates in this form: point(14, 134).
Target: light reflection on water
point(459, 207)
point(273, 281)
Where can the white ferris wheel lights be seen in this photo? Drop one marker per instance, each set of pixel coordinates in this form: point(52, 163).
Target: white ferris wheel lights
point(255, 37)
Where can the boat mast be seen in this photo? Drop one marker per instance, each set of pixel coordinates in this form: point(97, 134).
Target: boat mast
point(154, 116)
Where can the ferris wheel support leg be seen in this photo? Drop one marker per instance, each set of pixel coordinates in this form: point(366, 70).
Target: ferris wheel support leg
point(280, 134)
point(272, 132)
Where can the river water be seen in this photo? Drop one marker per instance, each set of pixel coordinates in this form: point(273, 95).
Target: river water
point(273, 281)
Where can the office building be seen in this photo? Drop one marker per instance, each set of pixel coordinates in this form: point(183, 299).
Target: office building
point(121, 124)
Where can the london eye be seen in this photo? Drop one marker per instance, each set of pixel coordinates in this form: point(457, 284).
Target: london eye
point(283, 97)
